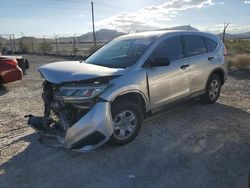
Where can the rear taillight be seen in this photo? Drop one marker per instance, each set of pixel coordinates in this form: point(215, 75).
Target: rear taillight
point(11, 62)
point(225, 51)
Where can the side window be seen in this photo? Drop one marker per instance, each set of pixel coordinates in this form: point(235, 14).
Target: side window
point(211, 44)
point(195, 45)
point(171, 49)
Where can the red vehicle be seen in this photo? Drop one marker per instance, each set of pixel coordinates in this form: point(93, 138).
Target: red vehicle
point(22, 62)
point(9, 71)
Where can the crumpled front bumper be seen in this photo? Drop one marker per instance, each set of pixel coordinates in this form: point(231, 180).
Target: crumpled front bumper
point(91, 131)
point(97, 120)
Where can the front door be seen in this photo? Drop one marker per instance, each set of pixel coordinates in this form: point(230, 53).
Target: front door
point(168, 82)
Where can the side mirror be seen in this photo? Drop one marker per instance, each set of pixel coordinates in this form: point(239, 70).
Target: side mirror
point(159, 62)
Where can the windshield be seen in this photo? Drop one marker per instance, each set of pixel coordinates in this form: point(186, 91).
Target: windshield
point(120, 53)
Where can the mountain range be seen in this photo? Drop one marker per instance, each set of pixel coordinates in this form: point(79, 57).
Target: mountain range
point(105, 35)
point(229, 36)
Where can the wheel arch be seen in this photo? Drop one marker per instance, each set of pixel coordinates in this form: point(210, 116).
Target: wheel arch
point(220, 72)
point(135, 96)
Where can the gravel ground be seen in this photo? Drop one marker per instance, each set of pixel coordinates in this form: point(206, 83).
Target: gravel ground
point(189, 145)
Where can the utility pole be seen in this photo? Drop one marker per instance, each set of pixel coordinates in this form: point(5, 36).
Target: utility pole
point(93, 23)
point(57, 52)
point(32, 45)
point(74, 44)
point(14, 42)
point(224, 31)
point(11, 44)
point(44, 44)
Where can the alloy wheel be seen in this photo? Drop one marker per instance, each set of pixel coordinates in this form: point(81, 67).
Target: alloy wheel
point(214, 89)
point(124, 124)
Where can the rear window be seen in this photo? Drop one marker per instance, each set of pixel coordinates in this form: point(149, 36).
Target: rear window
point(195, 45)
point(211, 44)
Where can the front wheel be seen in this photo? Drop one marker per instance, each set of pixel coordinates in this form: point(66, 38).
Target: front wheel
point(127, 118)
point(213, 89)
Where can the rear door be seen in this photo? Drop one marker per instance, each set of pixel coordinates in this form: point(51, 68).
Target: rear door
point(199, 61)
point(168, 83)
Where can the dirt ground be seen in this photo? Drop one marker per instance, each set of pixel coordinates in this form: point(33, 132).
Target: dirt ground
point(190, 145)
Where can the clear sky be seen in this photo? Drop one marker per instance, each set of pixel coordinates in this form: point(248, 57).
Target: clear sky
point(67, 17)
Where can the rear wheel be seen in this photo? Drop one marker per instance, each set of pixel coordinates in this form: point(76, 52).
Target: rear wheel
point(127, 118)
point(213, 89)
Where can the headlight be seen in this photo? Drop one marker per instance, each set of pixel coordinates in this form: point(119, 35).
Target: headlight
point(79, 92)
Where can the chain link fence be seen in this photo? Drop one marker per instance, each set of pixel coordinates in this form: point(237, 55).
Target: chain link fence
point(64, 46)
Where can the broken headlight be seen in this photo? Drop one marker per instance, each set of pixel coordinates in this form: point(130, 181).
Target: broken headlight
point(76, 93)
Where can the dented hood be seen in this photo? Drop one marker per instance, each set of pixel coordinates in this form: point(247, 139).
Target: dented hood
point(68, 71)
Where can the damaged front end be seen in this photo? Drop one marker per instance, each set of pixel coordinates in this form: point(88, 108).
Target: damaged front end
point(75, 117)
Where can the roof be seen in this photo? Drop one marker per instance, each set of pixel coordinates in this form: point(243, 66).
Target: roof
point(156, 34)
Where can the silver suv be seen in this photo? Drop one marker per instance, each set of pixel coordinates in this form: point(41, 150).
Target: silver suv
point(107, 96)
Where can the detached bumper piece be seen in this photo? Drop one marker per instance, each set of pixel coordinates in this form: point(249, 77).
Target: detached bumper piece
point(48, 137)
point(36, 123)
point(87, 134)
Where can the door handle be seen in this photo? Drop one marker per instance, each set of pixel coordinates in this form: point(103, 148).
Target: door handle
point(210, 58)
point(184, 66)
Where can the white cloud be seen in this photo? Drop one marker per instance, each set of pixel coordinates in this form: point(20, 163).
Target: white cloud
point(186, 4)
point(222, 3)
point(247, 2)
point(81, 16)
point(151, 17)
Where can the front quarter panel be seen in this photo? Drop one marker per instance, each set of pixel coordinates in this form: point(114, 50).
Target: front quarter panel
point(130, 81)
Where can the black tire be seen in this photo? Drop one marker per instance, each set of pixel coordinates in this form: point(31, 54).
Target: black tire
point(27, 66)
point(1, 82)
point(22, 65)
point(212, 91)
point(123, 106)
